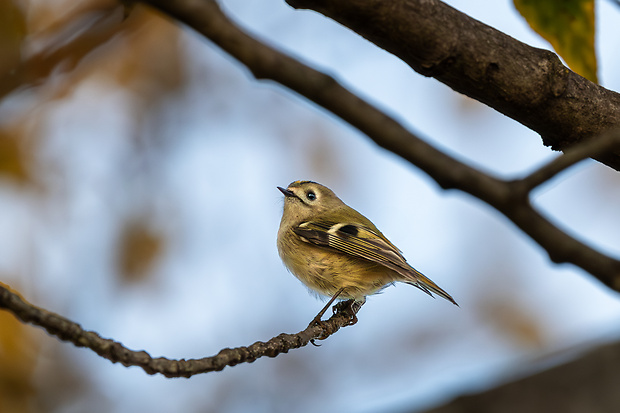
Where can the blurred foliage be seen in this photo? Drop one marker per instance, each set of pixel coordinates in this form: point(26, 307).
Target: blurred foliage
point(18, 356)
point(12, 33)
point(140, 246)
point(49, 44)
point(513, 321)
point(569, 26)
point(48, 51)
point(15, 157)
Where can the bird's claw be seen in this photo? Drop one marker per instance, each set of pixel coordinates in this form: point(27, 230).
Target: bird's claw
point(348, 308)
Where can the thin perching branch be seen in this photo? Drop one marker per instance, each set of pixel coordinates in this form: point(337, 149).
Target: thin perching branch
point(114, 351)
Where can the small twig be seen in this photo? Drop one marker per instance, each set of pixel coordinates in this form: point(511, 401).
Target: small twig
point(589, 149)
point(114, 351)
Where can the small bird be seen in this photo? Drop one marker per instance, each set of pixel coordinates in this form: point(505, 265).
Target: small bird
point(336, 251)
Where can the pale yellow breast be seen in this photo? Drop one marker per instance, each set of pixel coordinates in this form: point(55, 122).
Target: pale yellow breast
point(326, 271)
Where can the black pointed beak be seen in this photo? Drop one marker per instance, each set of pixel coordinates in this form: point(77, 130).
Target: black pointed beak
point(286, 192)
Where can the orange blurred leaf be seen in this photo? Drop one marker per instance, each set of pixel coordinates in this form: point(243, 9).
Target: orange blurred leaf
point(513, 321)
point(14, 158)
point(150, 60)
point(18, 356)
point(139, 248)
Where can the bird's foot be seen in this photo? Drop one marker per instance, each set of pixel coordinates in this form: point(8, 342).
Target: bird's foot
point(348, 308)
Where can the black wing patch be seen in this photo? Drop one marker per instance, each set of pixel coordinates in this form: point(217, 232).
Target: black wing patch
point(349, 229)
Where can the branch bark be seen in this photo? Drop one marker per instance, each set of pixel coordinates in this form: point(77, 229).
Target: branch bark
point(586, 384)
point(114, 351)
point(592, 148)
point(527, 84)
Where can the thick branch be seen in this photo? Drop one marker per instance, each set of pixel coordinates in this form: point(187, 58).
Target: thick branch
point(114, 351)
point(587, 384)
point(527, 84)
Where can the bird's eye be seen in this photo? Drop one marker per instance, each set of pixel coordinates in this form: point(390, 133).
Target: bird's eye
point(310, 195)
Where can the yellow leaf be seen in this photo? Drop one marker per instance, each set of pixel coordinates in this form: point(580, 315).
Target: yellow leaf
point(569, 26)
point(14, 158)
point(18, 356)
point(140, 246)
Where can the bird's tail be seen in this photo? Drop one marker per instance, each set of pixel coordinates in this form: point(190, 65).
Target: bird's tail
point(425, 284)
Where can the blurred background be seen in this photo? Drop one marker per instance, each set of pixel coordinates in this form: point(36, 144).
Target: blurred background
point(138, 174)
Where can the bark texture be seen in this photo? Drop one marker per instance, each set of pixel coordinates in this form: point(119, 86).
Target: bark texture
point(585, 385)
point(528, 84)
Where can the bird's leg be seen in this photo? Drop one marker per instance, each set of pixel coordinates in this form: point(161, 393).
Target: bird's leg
point(351, 307)
point(317, 319)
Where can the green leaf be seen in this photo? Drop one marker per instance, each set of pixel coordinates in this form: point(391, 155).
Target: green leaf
point(569, 26)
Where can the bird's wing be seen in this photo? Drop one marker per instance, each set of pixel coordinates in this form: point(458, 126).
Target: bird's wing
point(352, 239)
point(363, 242)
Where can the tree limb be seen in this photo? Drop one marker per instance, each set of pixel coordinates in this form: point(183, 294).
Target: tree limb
point(114, 351)
point(587, 384)
point(589, 149)
point(527, 84)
